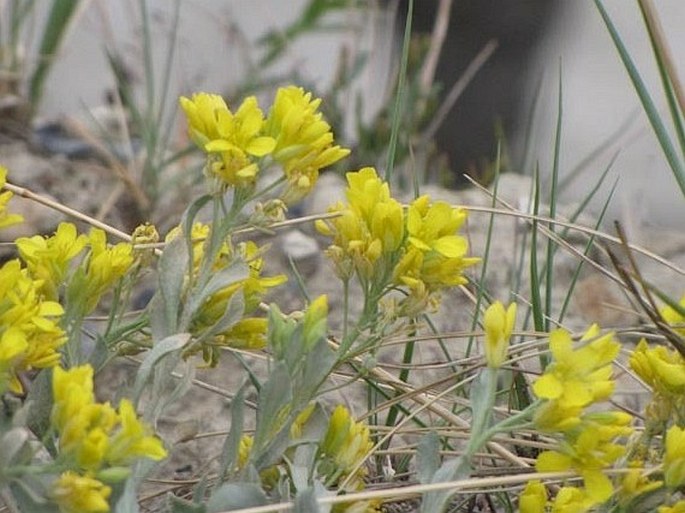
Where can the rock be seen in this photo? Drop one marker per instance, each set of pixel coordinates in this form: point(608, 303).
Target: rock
point(302, 249)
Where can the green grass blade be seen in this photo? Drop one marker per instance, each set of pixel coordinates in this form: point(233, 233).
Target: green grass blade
point(676, 114)
point(58, 20)
point(536, 299)
point(398, 110)
point(674, 162)
point(587, 249)
point(486, 252)
point(551, 245)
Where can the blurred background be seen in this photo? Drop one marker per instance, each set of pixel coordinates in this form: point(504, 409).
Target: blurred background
point(480, 73)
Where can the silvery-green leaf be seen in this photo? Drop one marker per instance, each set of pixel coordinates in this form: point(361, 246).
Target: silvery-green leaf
point(235, 272)
point(232, 496)
point(482, 397)
point(173, 269)
point(319, 363)
point(451, 470)
point(159, 351)
point(178, 505)
point(28, 495)
point(428, 457)
point(305, 501)
point(229, 454)
point(39, 402)
point(274, 401)
point(162, 377)
point(11, 444)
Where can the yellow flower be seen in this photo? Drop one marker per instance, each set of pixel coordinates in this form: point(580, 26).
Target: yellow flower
point(48, 259)
point(232, 139)
point(435, 254)
point(29, 334)
point(533, 498)
point(432, 227)
point(678, 507)
point(572, 500)
point(304, 141)
point(588, 449)
point(6, 219)
point(133, 439)
point(636, 483)
point(674, 459)
point(92, 434)
point(367, 229)
point(80, 494)
point(144, 234)
point(582, 376)
point(662, 369)
point(499, 323)
point(672, 317)
point(106, 266)
point(346, 444)
point(203, 112)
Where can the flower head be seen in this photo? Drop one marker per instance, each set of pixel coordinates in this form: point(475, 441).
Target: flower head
point(74, 493)
point(533, 498)
point(304, 141)
point(499, 323)
point(578, 377)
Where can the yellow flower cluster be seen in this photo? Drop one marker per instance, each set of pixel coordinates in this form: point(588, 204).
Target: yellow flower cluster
point(372, 233)
point(576, 379)
point(29, 333)
point(663, 370)
point(93, 437)
point(294, 133)
point(249, 332)
point(345, 444)
point(6, 219)
point(49, 259)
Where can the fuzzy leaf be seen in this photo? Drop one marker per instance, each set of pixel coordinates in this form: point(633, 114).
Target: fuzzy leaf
point(235, 496)
point(159, 351)
point(428, 457)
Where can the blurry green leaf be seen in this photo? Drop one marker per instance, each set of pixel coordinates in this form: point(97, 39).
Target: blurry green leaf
point(235, 496)
point(152, 358)
point(276, 41)
point(128, 501)
point(28, 495)
point(428, 457)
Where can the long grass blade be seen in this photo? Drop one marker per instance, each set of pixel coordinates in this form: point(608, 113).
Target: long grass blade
point(551, 246)
point(664, 139)
point(397, 113)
